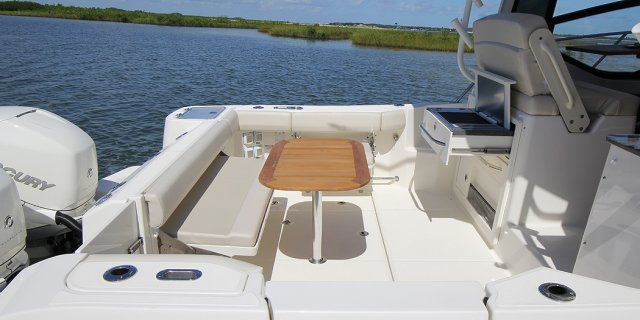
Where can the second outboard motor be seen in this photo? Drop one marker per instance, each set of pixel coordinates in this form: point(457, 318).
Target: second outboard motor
point(13, 233)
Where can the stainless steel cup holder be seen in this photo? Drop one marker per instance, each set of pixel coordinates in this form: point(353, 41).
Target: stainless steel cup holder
point(119, 273)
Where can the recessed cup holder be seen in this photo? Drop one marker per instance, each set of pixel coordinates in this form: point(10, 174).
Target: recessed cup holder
point(119, 273)
point(557, 292)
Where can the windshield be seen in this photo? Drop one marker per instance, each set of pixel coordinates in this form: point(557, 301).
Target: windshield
point(595, 33)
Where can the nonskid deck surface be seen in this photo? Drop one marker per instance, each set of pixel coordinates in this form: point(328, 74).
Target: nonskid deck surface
point(379, 233)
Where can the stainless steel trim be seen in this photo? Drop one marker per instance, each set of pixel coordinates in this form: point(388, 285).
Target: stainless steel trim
point(489, 164)
point(179, 275)
point(134, 246)
point(438, 142)
point(119, 273)
point(316, 197)
point(395, 179)
point(482, 150)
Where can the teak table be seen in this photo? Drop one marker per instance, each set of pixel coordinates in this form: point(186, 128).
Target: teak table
point(316, 165)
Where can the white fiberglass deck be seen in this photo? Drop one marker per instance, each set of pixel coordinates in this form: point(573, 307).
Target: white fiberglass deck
point(411, 237)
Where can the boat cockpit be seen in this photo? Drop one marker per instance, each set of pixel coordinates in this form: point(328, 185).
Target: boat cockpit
point(520, 203)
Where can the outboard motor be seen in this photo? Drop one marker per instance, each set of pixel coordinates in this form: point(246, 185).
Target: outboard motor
point(54, 166)
point(13, 257)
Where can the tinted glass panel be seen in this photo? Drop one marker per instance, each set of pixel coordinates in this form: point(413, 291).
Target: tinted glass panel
point(566, 6)
point(615, 21)
point(532, 7)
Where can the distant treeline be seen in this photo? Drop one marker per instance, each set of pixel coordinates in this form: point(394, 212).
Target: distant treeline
point(386, 38)
point(24, 8)
point(388, 26)
point(440, 40)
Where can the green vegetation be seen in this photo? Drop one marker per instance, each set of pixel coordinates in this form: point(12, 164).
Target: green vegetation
point(23, 8)
point(444, 40)
point(307, 31)
point(19, 5)
point(435, 41)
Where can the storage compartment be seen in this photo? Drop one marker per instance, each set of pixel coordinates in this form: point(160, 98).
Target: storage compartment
point(461, 131)
point(484, 129)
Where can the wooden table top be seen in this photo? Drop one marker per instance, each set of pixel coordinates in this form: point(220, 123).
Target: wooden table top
point(316, 165)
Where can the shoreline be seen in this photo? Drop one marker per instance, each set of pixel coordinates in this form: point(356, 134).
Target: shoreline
point(444, 40)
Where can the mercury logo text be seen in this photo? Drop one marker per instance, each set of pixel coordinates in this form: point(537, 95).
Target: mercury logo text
point(21, 177)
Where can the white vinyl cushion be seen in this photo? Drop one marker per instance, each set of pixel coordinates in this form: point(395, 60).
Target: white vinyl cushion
point(605, 101)
point(225, 207)
point(320, 121)
point(596, 100)
point(541, 105)
point(264, 120)
point(167, 191)
point(508, 53)
point(332, 122)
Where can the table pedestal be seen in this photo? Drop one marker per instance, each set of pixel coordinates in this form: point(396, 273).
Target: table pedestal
point(316, 200)
point(316, 164)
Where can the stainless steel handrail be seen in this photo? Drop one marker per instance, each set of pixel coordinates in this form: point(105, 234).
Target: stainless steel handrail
point(623, 35)
point(594, 35)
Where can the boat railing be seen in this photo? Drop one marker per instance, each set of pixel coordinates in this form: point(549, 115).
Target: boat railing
point(464, 93)
point(623, 35)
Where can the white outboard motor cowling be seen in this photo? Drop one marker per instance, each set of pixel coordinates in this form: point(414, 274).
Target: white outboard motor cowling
point(13, 233)
point(52, 161)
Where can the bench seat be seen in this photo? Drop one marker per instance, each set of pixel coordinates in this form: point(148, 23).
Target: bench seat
point(201, 199)
point(226, 207)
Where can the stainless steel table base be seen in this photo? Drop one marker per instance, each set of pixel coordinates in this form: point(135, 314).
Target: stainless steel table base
point(316, 198)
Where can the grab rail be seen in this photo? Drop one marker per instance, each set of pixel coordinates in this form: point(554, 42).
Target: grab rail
point(462, 28)
point(565, 87)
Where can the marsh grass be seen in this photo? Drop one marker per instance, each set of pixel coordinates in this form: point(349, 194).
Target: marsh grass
point(372, 37)
point(419, 40)
point(307, 31)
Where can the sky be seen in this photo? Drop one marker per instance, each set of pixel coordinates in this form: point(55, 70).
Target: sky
point(432, 13)
point(426, 13)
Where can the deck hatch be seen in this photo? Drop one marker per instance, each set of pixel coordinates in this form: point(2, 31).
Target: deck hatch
point(201, 113)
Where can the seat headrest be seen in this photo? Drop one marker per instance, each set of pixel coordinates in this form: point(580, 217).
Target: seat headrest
point(508, 53)
point(520, 25)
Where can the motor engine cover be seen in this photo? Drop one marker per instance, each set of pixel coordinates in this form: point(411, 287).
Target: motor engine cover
point(52, 161)
point(12, 228)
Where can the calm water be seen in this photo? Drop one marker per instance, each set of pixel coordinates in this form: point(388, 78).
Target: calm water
point(119, 81)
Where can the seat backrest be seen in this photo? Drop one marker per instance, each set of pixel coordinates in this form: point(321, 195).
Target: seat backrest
point(520, 46)
point(165, 194)
point(508, 53)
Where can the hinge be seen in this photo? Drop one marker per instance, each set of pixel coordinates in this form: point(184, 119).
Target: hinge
point(133, 248)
